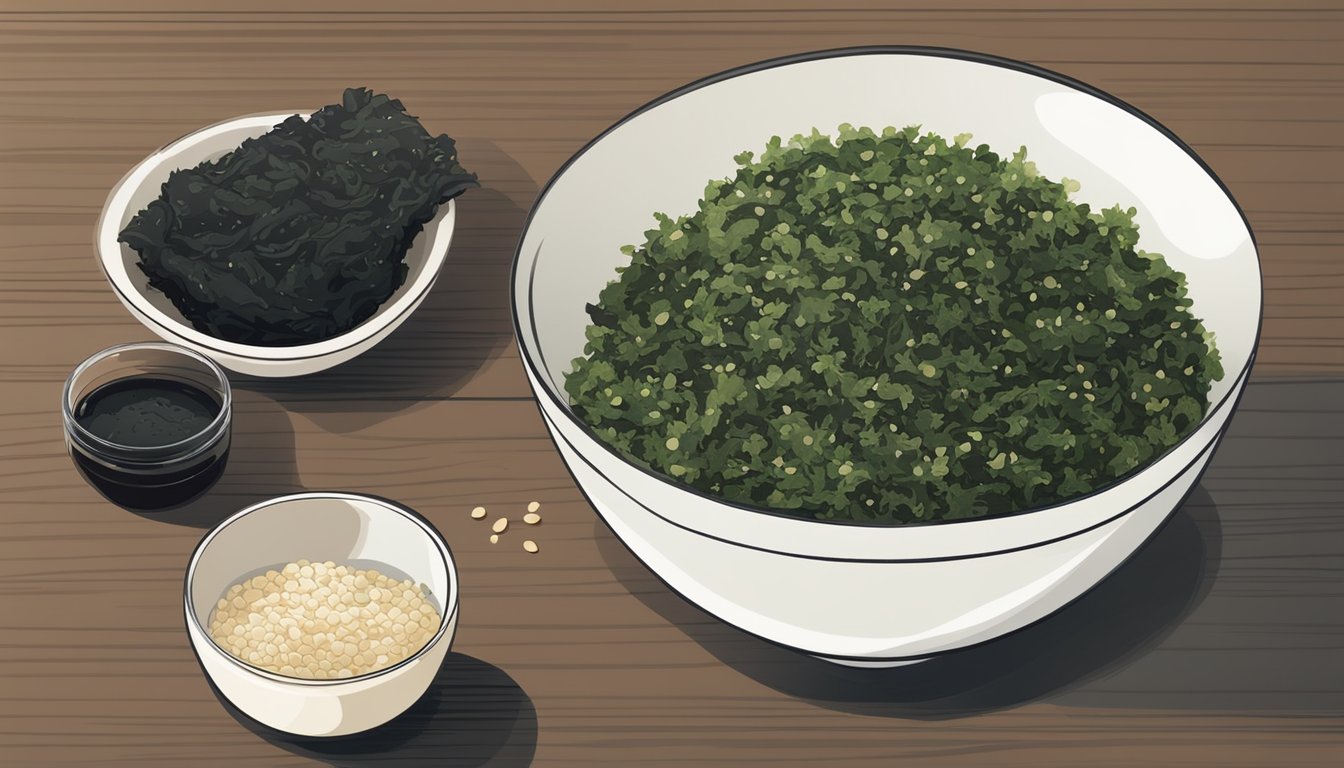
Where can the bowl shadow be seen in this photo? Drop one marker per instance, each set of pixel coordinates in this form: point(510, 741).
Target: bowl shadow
point(473, 714)
point(463, 323)
point(1268, 639)
point(1118, 621)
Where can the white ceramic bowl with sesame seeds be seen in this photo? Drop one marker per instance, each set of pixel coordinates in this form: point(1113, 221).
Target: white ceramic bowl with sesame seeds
point(857, 594)
point(155, 311)
point(339, 527)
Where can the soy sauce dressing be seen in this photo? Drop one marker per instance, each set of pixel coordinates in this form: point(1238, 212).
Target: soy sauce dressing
point(145, 412)
point(163, 445)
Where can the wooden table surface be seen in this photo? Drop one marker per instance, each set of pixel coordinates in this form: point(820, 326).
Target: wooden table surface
point(1221, 644)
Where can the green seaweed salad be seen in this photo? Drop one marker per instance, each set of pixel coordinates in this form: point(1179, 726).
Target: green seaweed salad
point(300, 234)
point(893, 328)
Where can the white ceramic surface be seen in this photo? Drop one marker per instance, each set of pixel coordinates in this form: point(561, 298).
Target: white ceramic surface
point(343, 528)
point(423, 260)
point(831, 589)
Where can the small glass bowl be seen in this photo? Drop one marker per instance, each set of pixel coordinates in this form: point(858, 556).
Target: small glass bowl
point(156, 476)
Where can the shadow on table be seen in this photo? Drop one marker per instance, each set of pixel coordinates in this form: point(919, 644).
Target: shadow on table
point(473, 714)
point(1119, 620)
point(1268, 638)
point(463, 323)
point(260, 465)
point(1231, 607)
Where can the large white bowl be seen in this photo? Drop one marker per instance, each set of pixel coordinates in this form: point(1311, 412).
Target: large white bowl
point(344, 528)
point(863, 594)
point(152, 308)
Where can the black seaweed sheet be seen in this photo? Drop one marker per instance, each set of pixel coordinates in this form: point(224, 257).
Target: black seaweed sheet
point(300, 234)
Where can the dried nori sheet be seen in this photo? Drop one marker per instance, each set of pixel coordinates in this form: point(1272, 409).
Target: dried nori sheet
point(300, 234)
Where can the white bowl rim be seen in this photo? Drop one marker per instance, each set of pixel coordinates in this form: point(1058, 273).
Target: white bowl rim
point(527, 350)
point(107, 248)
point(446, 618)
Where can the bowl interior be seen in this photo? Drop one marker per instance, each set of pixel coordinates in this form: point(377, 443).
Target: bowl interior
point(143, 184)
point(661, 158)
point(319, 527)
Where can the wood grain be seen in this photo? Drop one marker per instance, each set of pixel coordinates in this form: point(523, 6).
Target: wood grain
point(1220, 644)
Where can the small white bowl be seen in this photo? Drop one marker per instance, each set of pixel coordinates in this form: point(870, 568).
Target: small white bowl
point(344, 528)
point(872, 595)
point(152, 308)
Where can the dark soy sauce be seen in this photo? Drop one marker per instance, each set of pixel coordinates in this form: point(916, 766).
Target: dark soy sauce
point(146, 412)
point(166, 448)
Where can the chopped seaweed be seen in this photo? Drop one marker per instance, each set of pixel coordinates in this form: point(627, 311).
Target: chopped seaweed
point(893, 328)
point(300, 234)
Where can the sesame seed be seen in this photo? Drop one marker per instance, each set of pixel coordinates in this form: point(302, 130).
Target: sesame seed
point(278, 629)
